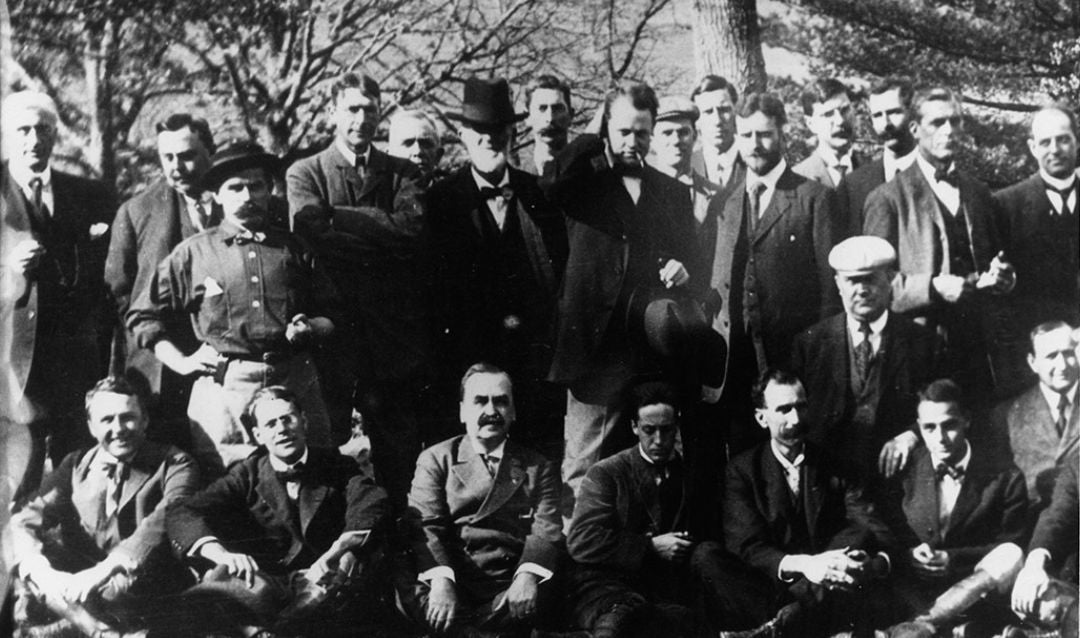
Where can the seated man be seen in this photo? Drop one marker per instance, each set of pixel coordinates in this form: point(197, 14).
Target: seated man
point(484, 520)
point(960, 514)
point(287, 529)
point(632, 532)
point(90, 544)
point(805, 529)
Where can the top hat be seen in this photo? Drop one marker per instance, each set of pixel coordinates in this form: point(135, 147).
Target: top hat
point(236, 156)
point(487, 102)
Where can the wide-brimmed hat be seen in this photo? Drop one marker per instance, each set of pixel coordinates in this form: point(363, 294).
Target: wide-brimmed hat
point(236, 156)
point(674, 326)
point(487, 102)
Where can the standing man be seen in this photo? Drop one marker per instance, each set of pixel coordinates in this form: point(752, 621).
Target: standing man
point(500, 247)
point(771, 267)
point(943, 225)
point(361, 212)
point(414, 136)
point(549, 118)
point(826, 105)
point(484, 513)
point(718, 159)
point(256, 303)
point(1042, 426)
point(890, 115)
point(146, 229)
point(52, 256)
point(629, 227)
point(863, 368)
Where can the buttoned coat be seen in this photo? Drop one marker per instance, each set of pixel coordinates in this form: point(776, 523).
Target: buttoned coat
point(480, 526)
point(790, 251)
point(249, 511)
point(72, 498)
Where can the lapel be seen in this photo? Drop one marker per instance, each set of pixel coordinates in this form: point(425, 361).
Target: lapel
point(311, 499)
point(923, 199)
point(776, 492)
point(468, 194)
point(781, 201)
point(893, 351)
point(1038, 204)
point(88, 491)
point(472, 475)
point(508, 480)
point(837, 337)
point(811, 491)
point(921, 498)
point(1039, 424)
point(142, 468)
point(975, 479)
point(273, 492)
point(1070, 439)
point(346, 174)
point(647, 492)
point(378, 169)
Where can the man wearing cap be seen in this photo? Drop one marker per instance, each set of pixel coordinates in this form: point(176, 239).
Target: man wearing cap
point(630, 228)
point(414, 136)
point(550, 114)
point(827, 108)
point(862, 368)
point(256, 303)
point(500, 247)
point(360, 211)
point(146, 229)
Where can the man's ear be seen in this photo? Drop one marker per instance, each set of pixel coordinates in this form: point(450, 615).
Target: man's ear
point(759, 415)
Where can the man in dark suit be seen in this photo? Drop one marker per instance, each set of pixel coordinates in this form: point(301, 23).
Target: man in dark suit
point(960, 514)
point(484, 518)
point(718, 158)
point(146, 229)
point(550, 115)
point(90, 545)
point(800, 523)
point(826, 105)
point(771, 270)
point(1042, 223)
point(943, 224)
point(361, 212)
point(862, 368)
point(1041, 427)
point(281, 531)
point(500, 247)
point(53, 241)
point(889, 104)
point(630, 228)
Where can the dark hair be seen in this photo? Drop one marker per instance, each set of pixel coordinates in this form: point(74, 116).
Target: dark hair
point(819, 91)
point(269, 393)
point(547, 81)
point(1062, 108)
point(367, 85)
point(944, 391)
point(767, 103)
point(900, 84)
point(651, 393)
point(1043, 328)
point(129, 386)
point(711, 83)
point(178, 121)
point(482, 367)
point(641, 97)
point(931, 94)
point(779, 376)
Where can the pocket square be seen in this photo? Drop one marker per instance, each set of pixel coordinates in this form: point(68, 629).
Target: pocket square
point(212, 288)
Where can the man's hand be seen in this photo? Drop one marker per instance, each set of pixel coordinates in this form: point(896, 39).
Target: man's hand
point(833, 569)
point(442, 603)
point(673, 546)
point(202, 361)
point(25, 256)
point(1031, 582)
point(673, 274)
point(299, 331)
point(929, 562)
point(1000, 278)
point(81, 585)
point(522, 595)
point(951, 288)
point(328, 566)
point(239, 565)
point(896, 452)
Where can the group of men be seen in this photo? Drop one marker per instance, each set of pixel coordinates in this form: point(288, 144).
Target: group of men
point(787, 400)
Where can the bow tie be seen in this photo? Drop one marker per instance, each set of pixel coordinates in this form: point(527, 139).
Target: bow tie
point(628, 170)
point(293, 474)
point(247, 236)
point(947, 175)
point(942, 469)
point(492, 192)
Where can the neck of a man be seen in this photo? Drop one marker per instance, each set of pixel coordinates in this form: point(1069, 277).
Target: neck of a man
point(1066, 392)
point(792, 450)
point(941, 163)
point(545, 146)
point(494, 176)
point(488, 444)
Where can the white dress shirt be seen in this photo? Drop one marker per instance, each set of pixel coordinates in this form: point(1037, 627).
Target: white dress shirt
point(498, 204)
point(23, 177)
point(946, 192)
point(291, 487)
point(949, 487)
point(1060, 184)
point(719, 166)
point(1053, 398)
point(832, 163)
point(894, 165)
point(769, 180)
point(876, 327)
point(349, 155)
point(790, 468)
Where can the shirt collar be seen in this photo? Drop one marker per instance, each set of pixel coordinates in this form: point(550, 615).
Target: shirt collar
point(897, 164)
point(1053, 397)
point(349, 155)
point(876, 326)
point(784, 463)
point(726, 159)
point(23, 175)
point(928, 170)
point(480, 451)
point(962, 464)
point(769, 179)
point(281, 466)
point(831, 159)
point(483, 183)
point(649, 460)
point(1060, 184)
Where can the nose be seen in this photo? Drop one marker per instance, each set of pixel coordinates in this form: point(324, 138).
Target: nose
point(793, 417)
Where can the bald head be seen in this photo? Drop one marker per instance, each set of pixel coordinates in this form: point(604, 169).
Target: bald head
point(1053, 141)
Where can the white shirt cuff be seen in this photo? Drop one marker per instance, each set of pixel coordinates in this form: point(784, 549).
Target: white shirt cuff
point(543, 573)
point(780, 568)
point(440, 570)
point(197, 545)
point(1045, 553)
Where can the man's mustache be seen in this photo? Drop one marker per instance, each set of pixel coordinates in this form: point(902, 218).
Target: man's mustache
point(490, 419)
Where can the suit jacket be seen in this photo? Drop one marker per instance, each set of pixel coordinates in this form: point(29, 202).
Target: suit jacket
point(990, 509)
point(62, 318)
point(71, 499)
point(855, 188)
point(146, 229)
point(468, 318)
point(791, 251)
point(813, 167)
point(249, 511)
point(1058, 527)
point(821, 357)
point(1025, 426)
point(371, 236)
point(595, 203)
point(482, 527)
point(759, 509)
point(619, 511)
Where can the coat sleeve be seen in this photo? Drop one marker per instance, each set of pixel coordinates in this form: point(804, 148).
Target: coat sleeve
point(179, 478)
point(1013, 526)
point(746, 532)
point(122, 262)
point(542, 543)
point(210, 510)
point(50, 506)
point(1059, 524)
point(597, 535)
point(430, 520)
point(911, 290)
point(168, 292)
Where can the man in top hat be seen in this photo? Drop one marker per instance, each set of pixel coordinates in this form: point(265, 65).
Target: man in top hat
point(53, 242)
point(500, 247)
point(827, 108)
point(862, 368)
point(360, 211)
point(550, 114)
point(256, 302)
point(630, 228)
point(414, 136)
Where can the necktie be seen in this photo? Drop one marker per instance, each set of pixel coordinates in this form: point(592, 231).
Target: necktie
point(40, 210)
point(1064, 194)
point(293, 474)
point(720, 172)
point(841, 169)
point(947, 175)
point(1063, 408)
point(361, 166)
point(753, 197)
point(864, 352)
point(117, 473)
point(492, 463)
point(943, 469)
point(491, 192)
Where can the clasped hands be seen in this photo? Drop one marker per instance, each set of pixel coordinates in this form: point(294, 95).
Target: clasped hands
point(839, 568)
point(521, 598)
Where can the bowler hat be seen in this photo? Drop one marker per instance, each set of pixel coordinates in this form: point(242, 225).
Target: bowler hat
point(236, 156)
point(487, 102)
point(674, 326)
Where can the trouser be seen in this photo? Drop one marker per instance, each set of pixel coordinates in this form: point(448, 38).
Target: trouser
point(610, 605)
point(391, 422)
point(478, 611)
point(591, 432)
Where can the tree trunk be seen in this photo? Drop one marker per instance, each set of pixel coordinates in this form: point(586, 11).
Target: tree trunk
point(99, 64)
point(727, 42)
